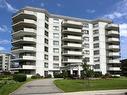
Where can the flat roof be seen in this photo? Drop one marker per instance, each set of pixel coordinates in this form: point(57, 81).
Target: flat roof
point(63, 17)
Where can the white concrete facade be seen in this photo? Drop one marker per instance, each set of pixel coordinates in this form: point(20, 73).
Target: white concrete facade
point(52, 41)
point(5, 59)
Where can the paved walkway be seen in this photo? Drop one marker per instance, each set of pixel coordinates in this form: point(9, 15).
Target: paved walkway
point(38, 87)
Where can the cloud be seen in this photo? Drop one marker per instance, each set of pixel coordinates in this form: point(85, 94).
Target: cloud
point(58, 5)
point(4, 4)
point(2, 48)
point(42, 4)
point(119, 11)
point(3, 28)
point(3, 42)
point(90, 11)
point(123, 29)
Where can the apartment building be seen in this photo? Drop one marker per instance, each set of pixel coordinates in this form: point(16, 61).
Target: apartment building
point(46, 43)
point(5, 59)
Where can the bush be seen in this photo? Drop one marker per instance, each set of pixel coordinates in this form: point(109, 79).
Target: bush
point(58, 75)
point(48, 76)
point(37, 76)
point(97, 74)
point(107, 75)
point(19, 77)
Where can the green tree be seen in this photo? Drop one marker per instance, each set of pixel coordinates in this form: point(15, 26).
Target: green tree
point(87, 72)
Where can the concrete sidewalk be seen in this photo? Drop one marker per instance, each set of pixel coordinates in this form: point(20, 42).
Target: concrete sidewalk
point(102, 92)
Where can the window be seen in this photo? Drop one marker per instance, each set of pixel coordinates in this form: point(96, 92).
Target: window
point(56, 58)
point(55, 35)
point(55, 42)
point(86, 52)
point(97, 66)
point(56, 65)
point(95, 32)
point(95, 25)
point(96, 45)
point(86, 45)
point(86, 25)
point(56, 20)
point(56, 50)
point(96, 52)
point(86, 38)
point(96, 38)
point(87, 59)
point(96, 59)
point(46, 33)
point(55, 27)
point(46, 26)
point(46, 57)
point(45, 65)
point(46, 18)
point(86, 32)
point(46, 41)
point(46, 49)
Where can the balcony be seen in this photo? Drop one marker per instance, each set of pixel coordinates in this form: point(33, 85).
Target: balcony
point(28, 67)
point(113, 33)
point(114, 47)
point(24, 49)
point(112, 26)
point(72, 61)
point(113, 40)
point(114, 54)
point(24, 23)
point(72, 23)
point(72, 45)
point(114, 69)
point(73, 31)
point(114, 61)
point(27, 57)
point(72, 53)
point(24, 40)
point(24, 14)
point(72, 38)
point(25, 31)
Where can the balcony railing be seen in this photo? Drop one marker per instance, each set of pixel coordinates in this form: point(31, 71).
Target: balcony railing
point(73, 52)
point(113, 33)
point(72, 22)
point(114, 54)
point(72, 60)
point(113, 39)
point(114, 68)
point(114, 61)
point(73, 37)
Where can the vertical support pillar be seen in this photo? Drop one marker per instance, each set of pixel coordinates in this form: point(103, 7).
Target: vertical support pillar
point(79, 71)
point(71, 71)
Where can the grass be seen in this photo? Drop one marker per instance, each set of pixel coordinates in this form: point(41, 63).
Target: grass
point(82, 85)
point(11, 86)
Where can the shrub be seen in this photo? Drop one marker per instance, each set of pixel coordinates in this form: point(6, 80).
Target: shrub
point(19, 77)
point(58, 75)
point(107, 75)
point(97, 74)
point(48, 76)
point(37, 76)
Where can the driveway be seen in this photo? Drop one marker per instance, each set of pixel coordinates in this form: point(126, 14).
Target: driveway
point(38, 87)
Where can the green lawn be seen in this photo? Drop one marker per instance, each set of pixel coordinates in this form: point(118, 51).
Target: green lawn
point(11, 86)
point(82, 85)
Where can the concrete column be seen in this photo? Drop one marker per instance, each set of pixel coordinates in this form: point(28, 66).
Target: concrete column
point(71, 71)
point(79, 71)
